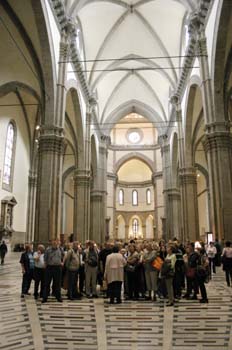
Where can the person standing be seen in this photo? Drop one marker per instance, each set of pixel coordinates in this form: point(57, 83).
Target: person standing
point(3, 251)
point(114, 274)
point(91, 265)
point(39, 271)
point(27, 264)
point(227, 262)
point(211, 253)
point(72, 264)
point(170, 260)
point(53, 259)
point(151, 274)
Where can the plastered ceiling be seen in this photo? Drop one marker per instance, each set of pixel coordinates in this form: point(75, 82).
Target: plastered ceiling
point(132, 50)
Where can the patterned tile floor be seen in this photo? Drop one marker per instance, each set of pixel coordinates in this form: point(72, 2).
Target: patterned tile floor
point(95, 325)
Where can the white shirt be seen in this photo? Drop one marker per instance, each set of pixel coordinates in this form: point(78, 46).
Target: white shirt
point(39, 263)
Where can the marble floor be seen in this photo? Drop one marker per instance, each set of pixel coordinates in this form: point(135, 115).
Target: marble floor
point(92, 324)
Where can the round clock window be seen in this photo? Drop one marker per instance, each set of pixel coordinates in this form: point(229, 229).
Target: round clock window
point(134, 136)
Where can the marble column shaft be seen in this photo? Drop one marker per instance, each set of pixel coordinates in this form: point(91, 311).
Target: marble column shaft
point(48, 197)
point(32, 184)
point(188, 187)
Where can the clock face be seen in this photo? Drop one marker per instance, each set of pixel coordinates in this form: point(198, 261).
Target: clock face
point(134, 136)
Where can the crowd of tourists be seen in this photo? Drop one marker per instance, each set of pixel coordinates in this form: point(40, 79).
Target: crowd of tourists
point(131, 271)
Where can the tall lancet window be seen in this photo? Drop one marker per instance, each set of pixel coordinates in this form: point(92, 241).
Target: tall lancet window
point(148, 196)
point(9, 157)
point(134, 197)
point(121, 197)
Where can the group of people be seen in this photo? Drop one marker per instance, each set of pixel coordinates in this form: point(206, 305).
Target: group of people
point(135, 270)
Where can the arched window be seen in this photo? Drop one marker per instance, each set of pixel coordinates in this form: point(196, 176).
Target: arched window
point(134, 197)
point(135, 226)
point(121, 197)
point(9, 157)
point(148, 195)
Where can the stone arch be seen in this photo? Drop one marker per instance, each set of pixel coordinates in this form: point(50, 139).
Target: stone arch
point(188, 125)
point(132, 106)
point(77, 123)
point(133, 155)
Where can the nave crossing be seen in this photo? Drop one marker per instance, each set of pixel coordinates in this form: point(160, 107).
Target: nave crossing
point(94, 325)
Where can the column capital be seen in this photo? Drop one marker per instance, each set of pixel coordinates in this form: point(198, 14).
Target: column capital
point(51, 139)
point(82, 177)
point(187, 175)
point(173, 193)
point(96, 196)
point(217, 140)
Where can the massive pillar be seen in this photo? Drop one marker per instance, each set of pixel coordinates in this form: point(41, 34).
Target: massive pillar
point(165, 151)
point(48, 198)
point(82, 181)
point(174, 215)
point(188, 184)
point(51, 149)
point(81, 205)
point(188, 188)
point(218, 147)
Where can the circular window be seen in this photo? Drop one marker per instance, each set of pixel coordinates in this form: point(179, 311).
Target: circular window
point(134, 136)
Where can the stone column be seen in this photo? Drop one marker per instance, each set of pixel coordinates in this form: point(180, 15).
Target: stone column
point(82, 188)
point(188, 188)
point(49, 185)
point(218, 147)
point(165, 151)
point(32, 184)
point(81, 205)
point(174, 215)
point(98, 220)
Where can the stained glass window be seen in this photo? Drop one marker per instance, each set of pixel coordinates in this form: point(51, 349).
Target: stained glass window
point(9, 153)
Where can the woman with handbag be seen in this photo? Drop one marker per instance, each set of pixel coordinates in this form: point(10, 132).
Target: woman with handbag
point(202, 272)
point(151, 274)
point(227, 262)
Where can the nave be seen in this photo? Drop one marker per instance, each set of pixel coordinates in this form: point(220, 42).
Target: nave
point(94, 325)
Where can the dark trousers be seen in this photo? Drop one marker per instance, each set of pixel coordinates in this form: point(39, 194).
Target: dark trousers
point(39, 276)
point(132, 285)
point(212, 265)
point(72, 283)
point(2, 257)
point(81, 273)
point(26, 282)
point(201, 284)
point(177, 283)
point(114, 291)
point(228, 273)
point(52, 273)
point(192, 285)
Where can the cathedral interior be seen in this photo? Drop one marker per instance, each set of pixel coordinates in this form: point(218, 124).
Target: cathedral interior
point(115, 126)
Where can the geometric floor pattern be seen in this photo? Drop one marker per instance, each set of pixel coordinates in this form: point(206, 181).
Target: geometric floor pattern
point(95, 325)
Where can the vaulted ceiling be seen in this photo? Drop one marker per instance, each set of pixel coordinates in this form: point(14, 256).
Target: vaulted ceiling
point(131, 51)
